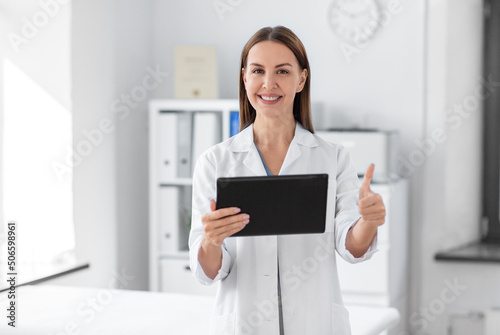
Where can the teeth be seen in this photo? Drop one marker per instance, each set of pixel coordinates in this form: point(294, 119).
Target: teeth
point(269, 98)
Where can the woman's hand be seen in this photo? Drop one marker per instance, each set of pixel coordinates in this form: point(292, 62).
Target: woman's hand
point(372, 211)
point(222, 223)
point(217, 225)
point(371, 205)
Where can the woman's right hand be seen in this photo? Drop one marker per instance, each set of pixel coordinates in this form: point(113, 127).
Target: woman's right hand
point(222, 223)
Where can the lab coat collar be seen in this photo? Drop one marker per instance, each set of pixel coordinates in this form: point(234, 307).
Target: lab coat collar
point(243, 142)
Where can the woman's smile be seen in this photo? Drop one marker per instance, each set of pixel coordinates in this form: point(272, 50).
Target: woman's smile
point(269, 99)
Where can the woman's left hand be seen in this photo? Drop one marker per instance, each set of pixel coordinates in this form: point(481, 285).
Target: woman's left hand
point(371, 206)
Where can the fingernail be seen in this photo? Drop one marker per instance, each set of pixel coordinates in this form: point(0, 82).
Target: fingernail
point(246, 217)
point(246, 221)
point(237, 210)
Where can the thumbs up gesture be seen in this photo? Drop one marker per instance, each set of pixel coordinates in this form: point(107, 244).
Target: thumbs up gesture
point(371, 206)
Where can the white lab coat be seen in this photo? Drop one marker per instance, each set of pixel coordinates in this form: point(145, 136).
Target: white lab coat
point(246, 301)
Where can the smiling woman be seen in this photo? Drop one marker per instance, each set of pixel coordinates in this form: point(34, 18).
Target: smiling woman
point(255, 292)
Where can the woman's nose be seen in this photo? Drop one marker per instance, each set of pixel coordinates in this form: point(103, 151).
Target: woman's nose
point(269, 82)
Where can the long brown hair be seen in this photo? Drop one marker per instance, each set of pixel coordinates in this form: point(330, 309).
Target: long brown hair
point(302, 101)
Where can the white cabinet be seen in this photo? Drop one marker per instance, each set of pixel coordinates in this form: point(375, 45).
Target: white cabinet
point(383, 280)
point(180, 130)
point(176, 277)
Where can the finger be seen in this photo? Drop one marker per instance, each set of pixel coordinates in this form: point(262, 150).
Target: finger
point(218, 233)
point(370, 200)
point(371, 210)
point(378, 215)
point(374, 218)
point(379, 212)
point(375, 208)
point(212, 205)
point(231, 228)
point(227, 221)
point(220, 213)
point(368, 178)
point(222, 237)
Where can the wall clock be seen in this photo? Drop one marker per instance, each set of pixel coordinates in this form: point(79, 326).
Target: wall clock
point(354, 21)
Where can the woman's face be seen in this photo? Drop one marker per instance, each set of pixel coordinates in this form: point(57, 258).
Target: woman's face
point(272, 77)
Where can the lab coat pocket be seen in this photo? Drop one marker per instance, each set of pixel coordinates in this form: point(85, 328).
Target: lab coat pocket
point(330, 208)
point(340, 319)
point(223, 324)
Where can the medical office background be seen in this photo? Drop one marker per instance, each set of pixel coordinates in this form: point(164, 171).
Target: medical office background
point(63, 79)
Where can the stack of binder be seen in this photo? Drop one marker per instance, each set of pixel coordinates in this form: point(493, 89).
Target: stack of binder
point(184, 136)
point(175, 220)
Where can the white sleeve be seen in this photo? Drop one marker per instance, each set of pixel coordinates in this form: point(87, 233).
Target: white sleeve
point(204, 189)
point(346, 209)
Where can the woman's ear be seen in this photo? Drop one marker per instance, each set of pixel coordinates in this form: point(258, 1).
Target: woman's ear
point(302, 80)
point(243, 74)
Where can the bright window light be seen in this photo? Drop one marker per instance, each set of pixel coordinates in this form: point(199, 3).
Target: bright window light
point(37, 131)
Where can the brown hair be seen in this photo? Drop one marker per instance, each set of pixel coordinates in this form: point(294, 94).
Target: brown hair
point(302, 101)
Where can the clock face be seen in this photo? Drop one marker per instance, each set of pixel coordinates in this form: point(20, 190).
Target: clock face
point(354, 21)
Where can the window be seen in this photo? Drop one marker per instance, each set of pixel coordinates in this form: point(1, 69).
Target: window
point(36, 129)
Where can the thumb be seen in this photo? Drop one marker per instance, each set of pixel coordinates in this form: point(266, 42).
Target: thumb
point(212, 205)
point(365, 187)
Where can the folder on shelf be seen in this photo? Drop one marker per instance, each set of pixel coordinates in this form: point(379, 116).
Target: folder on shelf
point(207, 131)
point(167, 145)
point(185, 210)
point(234, 123)
point(169, 218)
point(184, 136)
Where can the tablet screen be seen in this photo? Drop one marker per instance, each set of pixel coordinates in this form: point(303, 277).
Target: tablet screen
point(293, 204)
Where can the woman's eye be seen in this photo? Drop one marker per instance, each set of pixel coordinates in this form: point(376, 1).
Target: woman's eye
point(282, 71)
point(257, 71)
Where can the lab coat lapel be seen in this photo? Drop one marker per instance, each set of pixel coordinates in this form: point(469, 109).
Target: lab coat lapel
point(292, 155)
point(243, 142)
point(254, 162)
point(303, 137)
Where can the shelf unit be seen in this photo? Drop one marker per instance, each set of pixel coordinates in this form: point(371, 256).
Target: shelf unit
point(383, 280)
point(179, 131)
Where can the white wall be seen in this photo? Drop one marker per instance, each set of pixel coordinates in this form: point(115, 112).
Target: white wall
point(382, 86)
point(93, 56)
point(133, 57)
point(110, 57)
point(450, 204)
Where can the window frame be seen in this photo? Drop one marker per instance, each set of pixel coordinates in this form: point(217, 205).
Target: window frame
point(491, 134)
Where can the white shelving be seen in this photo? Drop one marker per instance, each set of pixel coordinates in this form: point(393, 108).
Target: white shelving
point(383, 280)
point(180, 130)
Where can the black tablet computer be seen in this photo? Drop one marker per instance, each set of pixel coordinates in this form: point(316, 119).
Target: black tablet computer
point(293, 204)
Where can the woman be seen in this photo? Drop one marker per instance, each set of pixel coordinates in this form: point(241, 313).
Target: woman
point(284, 284)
